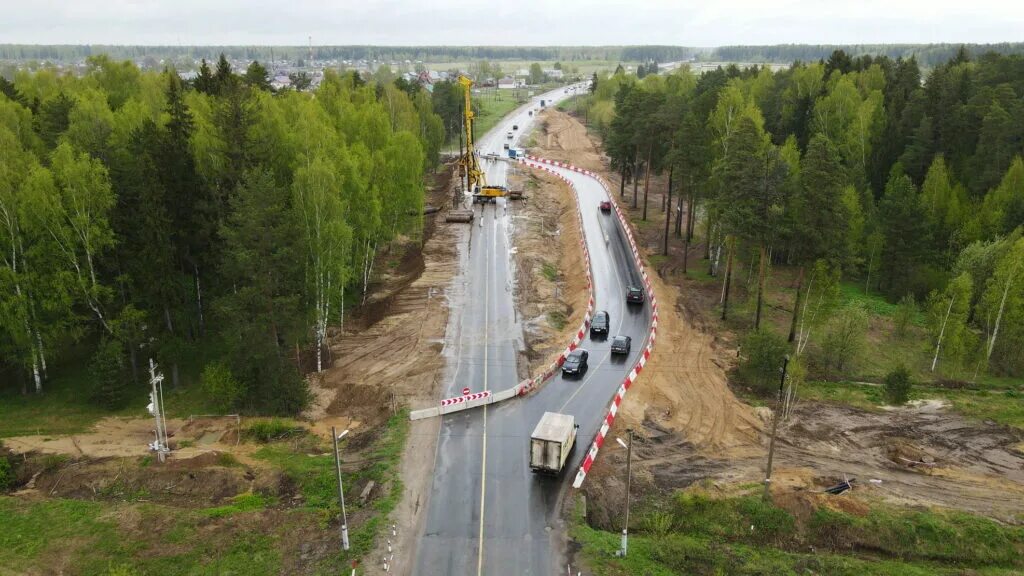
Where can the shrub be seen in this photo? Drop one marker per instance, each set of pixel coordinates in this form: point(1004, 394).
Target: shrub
point(221, 386)
point(764, 351)
point(6, 475)
point(897, 385)
point(903, 317)
point(844, 337)
point(272, 429)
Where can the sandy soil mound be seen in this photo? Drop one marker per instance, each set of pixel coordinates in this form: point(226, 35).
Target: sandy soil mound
point(547, 234)
point(683, 388)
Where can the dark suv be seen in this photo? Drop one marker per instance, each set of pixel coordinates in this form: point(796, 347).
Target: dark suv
point(634, 295)
point(621, 344)
point(575, 363)
point(600, 323)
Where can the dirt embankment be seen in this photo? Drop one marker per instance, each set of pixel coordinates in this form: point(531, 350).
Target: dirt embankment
point(690, 427)
point(551, 294)
point(683, 388)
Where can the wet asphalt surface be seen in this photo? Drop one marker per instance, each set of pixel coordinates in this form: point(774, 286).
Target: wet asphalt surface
point(487, 512)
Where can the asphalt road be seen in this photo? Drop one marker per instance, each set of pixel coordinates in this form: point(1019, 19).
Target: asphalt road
point(487, 513)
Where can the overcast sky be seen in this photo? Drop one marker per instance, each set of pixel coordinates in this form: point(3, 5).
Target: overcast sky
point(509, 22)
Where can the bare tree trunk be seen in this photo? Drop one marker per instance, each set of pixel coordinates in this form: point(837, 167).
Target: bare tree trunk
point(636, 181)
point(679, 216)
point(199, 301)
point(708, 228)
point(647, 179)
point(691, 216)
point(999, 315)
point(622, 182)
point(796, 306)
point(942, 332)
point(728, 279)
point(761, 273)
point(686, 237)
point(668, 214)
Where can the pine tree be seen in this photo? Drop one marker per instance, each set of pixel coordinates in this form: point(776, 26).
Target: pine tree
point(256, 77)
point(907, 249)
point(262, 313)
point(204, 81)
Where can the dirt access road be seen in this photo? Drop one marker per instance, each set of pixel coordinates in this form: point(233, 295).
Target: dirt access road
point(690, 427)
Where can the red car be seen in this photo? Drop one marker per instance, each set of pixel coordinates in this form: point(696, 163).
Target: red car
point(606, 206)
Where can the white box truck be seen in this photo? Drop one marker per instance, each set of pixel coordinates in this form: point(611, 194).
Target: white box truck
point(551, 442)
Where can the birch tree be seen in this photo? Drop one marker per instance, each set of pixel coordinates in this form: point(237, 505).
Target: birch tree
point(326, 238)
point(948, 311)
point(1003, 301)
point(72, 206)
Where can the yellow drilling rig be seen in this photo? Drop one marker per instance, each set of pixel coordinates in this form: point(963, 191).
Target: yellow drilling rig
point(476, 181)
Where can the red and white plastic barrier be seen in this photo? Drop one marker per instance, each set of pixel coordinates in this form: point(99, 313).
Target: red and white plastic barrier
point(620, 394)
point(523, 388)
point(531, 384)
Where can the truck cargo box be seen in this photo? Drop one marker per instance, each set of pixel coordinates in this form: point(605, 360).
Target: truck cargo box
point(551, 442)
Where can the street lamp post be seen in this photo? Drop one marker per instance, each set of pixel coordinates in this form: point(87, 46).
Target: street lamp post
point(341, 491)
point(629, 477)
point(775, 426)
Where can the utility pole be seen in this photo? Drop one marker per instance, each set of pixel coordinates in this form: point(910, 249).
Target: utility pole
point(775, 427)
point(629, 478)
point(341, 491)
point(156, 408)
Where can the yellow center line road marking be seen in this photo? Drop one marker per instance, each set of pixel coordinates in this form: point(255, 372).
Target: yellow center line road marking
point(483, 459)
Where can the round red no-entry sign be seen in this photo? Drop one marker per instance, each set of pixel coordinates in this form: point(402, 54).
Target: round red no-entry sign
point(465, 391)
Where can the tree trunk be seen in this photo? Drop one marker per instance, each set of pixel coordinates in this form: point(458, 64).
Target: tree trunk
point(678, 227)
point(636, 182)
point(199, 301)
point(622, 182)
point(942, 332)
point(691, 216)
point(761, 273)
point(728, 279)
point(796, 306)
point(686, 237)
point(708, 227)
point(647, 179)
point(668, 213)
point(999, 315)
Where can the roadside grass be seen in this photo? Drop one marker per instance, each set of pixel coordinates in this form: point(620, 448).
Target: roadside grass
point(251, 534)
point(549, 271)
point(690, 533)
point(557, 319)
point(493, 105)
point(310, 464)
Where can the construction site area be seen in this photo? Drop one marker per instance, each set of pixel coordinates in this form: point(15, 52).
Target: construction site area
point(260, 493)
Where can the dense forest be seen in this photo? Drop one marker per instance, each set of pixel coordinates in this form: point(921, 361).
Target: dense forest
point(845, 169)
point(142, 217)
point(926, 55)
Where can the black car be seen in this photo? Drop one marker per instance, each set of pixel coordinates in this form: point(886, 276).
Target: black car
point(634, 295)
point(621, 344)
point(600, 323)
point(575, 363)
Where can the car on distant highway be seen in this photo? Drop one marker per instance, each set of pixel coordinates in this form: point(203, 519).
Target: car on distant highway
point(621, 344)
point(600, 323)
point(606, 205)
point(505, 146)
point(575, 363)
point(509, 136)
point(634, 295)
point(515, 126)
